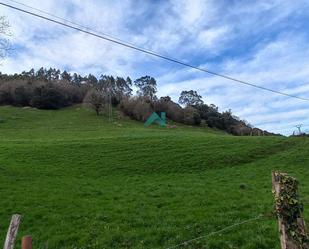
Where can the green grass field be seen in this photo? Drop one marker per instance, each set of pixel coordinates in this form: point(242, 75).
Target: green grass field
point(82, 182)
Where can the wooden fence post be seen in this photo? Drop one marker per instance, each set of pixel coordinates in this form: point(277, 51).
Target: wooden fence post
point(12, 232)
point(26, 242)
point(286, 237)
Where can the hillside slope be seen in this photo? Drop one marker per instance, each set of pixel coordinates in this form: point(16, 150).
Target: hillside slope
point(82, 182)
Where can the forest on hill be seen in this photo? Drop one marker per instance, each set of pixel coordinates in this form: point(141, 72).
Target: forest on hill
point(54, 89)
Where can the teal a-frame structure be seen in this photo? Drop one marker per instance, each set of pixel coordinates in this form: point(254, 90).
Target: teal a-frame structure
point(155, 118)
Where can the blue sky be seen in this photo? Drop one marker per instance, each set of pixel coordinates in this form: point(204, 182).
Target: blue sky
point(263, 42)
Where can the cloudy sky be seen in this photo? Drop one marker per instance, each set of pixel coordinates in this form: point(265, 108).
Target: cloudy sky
point(264, 42)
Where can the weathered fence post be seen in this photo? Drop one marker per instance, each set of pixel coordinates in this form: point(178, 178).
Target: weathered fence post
point(12, 232)
point(289, 212)
point(26, 242)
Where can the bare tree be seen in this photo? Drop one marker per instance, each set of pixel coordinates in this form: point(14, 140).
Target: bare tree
point(4, 33)
point(96, 99)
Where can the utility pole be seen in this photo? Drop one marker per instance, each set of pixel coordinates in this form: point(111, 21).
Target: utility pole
point(110, 113)
point(109, 106)
point(299, 128)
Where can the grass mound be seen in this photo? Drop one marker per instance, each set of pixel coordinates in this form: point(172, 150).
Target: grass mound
point(80, 181)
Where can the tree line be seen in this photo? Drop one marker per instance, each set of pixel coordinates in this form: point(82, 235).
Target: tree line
point(53, 89)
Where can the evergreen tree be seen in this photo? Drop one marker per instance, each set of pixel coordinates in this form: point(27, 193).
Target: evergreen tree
point(41, 74)
point(147, 87)
point(190, 98)
point(77, 79)
point(66, 76)
point(92, 80)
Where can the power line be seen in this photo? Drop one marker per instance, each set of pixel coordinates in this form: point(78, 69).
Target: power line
point(66, 20)
point(149, 52)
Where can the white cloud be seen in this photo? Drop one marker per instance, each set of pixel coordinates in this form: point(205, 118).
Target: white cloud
point(211, 38)
point(262, 42)
point(193, 14)
point(280, 65)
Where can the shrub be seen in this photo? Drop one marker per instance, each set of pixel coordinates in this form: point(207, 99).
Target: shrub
point(136, 108)
point(40, 94)
point(173, 111)
point(49, 96)
point(191, 116)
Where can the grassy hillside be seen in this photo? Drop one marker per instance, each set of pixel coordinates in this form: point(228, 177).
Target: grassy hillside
point(82, 182)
